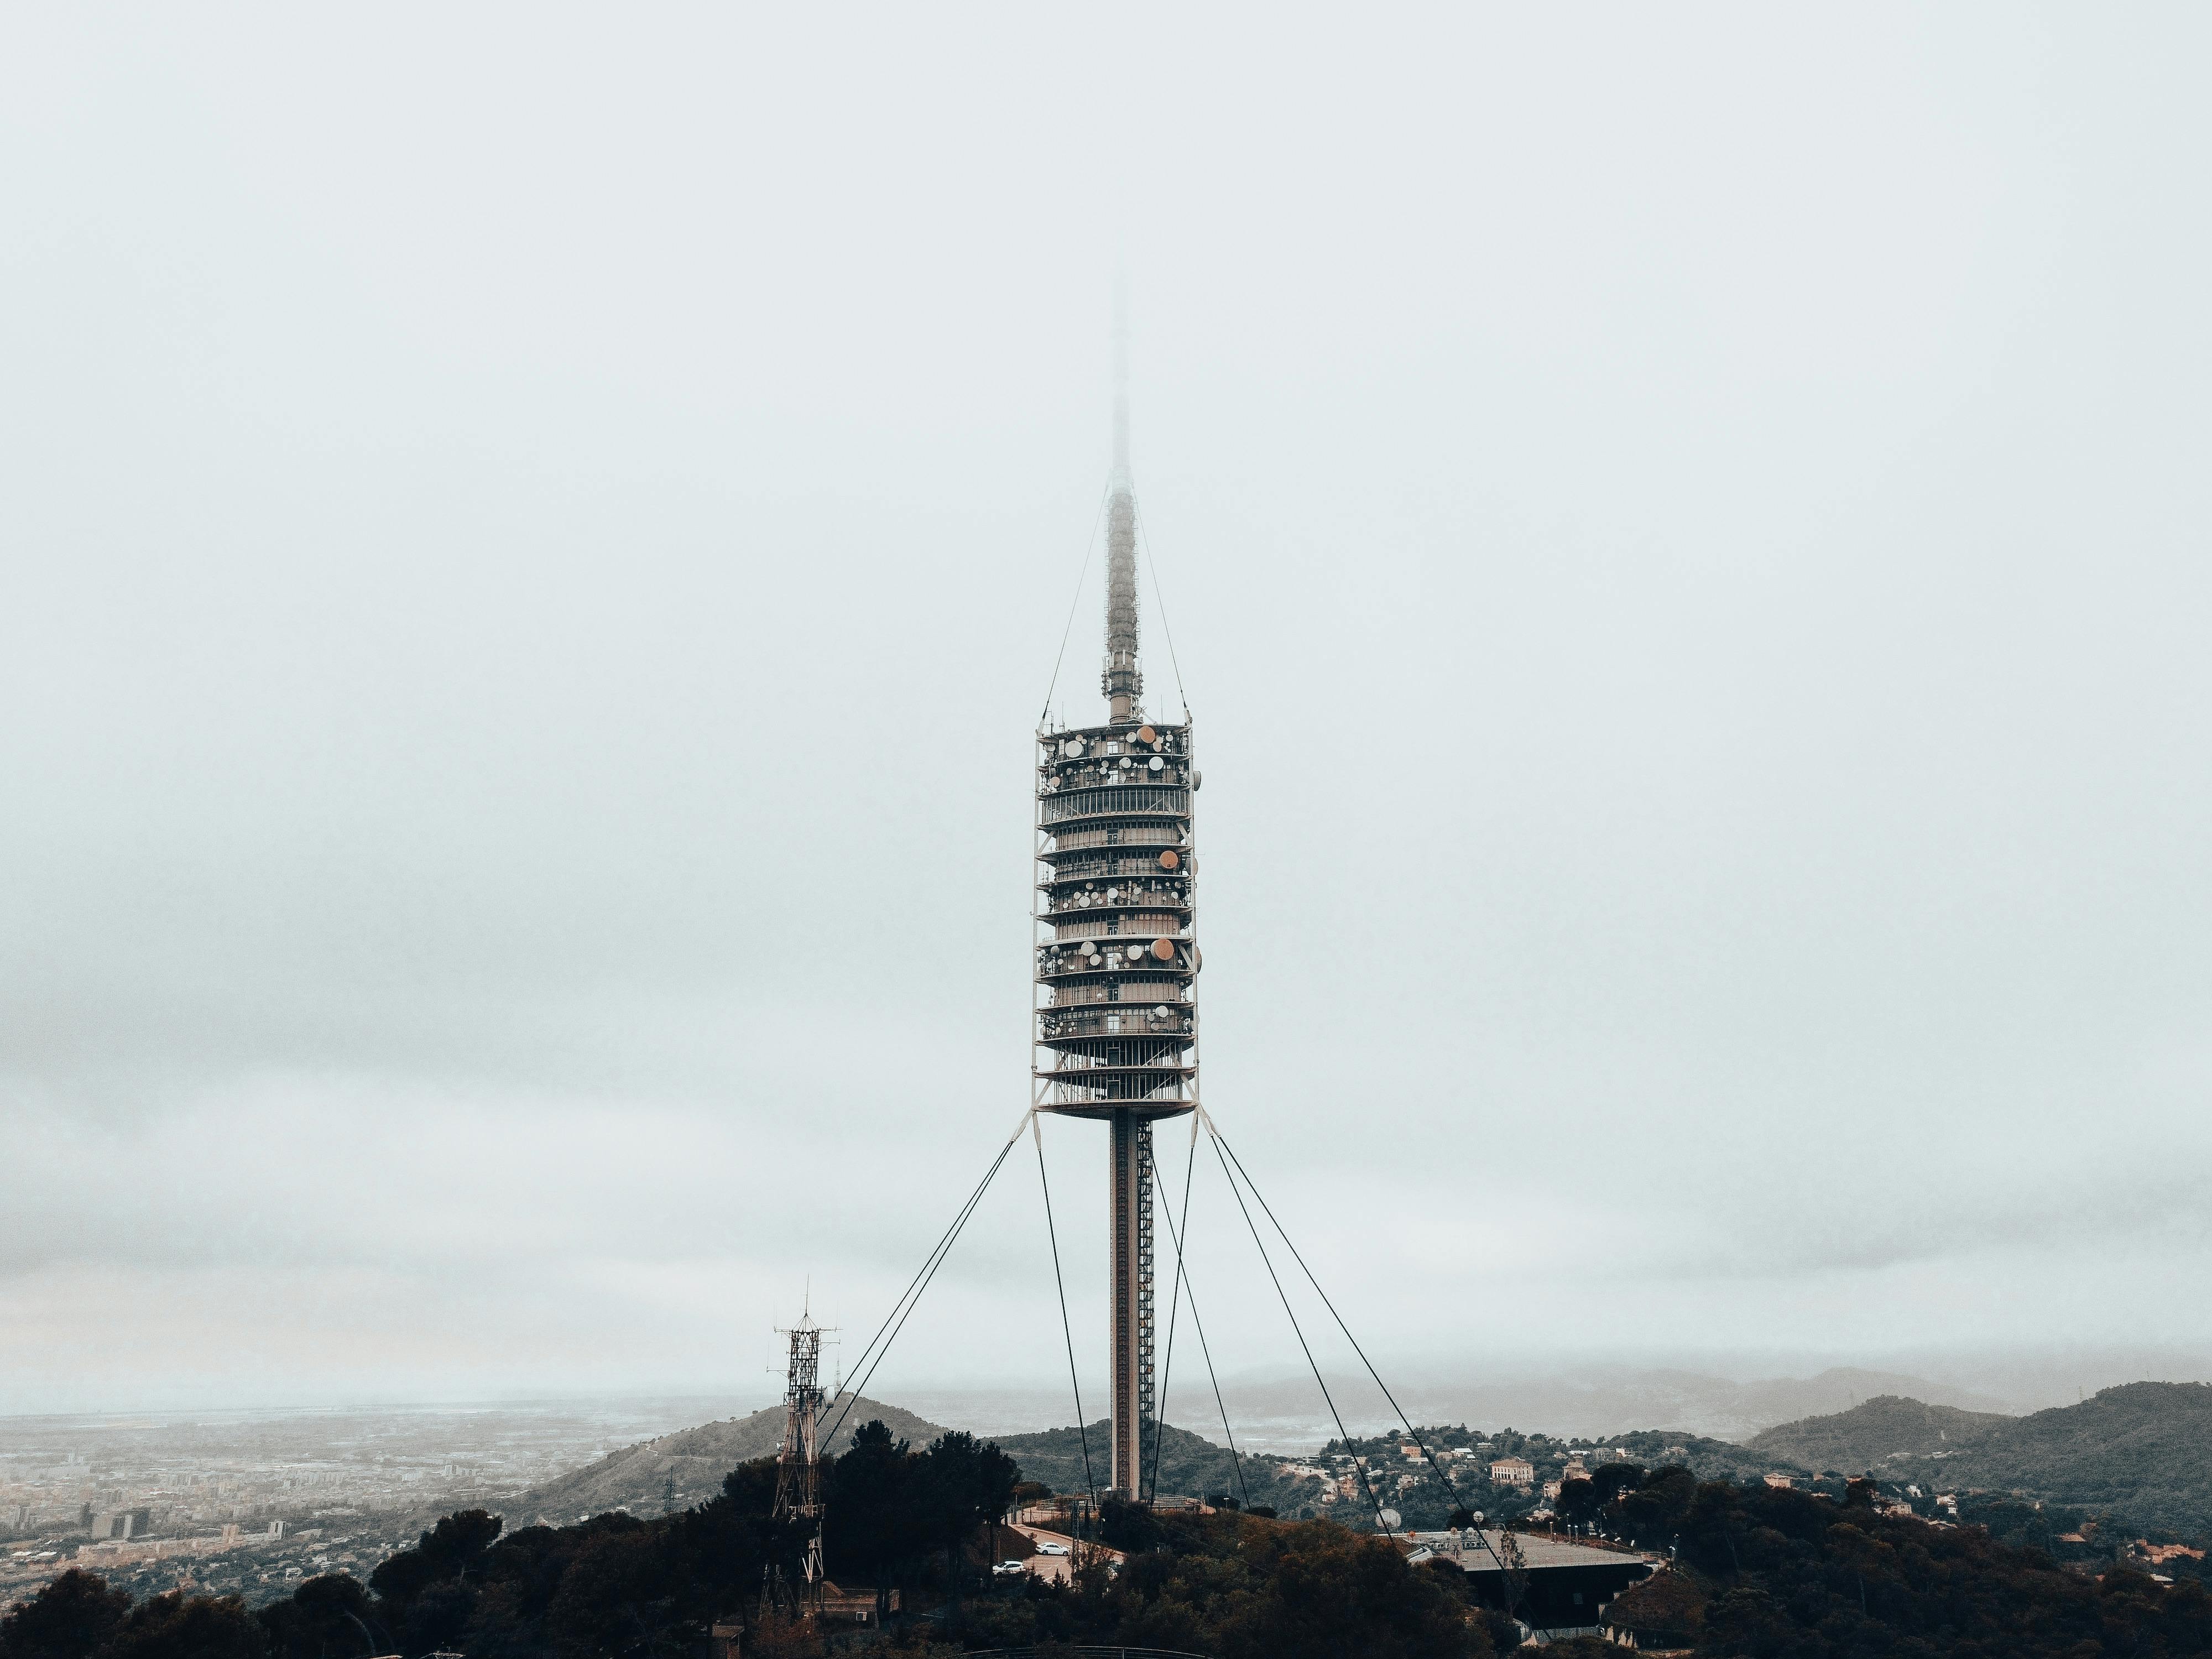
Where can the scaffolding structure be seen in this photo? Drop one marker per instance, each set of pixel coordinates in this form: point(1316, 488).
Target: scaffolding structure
point(1116, 1017)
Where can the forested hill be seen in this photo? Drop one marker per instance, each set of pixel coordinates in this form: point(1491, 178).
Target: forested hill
point(1187, 1465)
point(1868, 1436)
point(637, 1477)
point(2142, 1452)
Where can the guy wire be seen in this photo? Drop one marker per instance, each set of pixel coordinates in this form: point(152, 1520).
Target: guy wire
point(1089, 547)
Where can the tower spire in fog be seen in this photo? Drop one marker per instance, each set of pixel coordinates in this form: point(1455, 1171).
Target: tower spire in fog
point(1121, 679)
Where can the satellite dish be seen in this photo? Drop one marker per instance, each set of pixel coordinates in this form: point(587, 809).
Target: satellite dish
point(1163, 950)
point(1169, 860)
point(1127, 762)
point(1145, 734)
point(1158, 765)
point(1392, 1519)
point(1113, 892)
point(1165, 1011)
point(1072, 748)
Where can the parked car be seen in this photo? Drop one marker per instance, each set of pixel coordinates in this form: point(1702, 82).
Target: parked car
point(1052, 1549)
point(1008, 1570)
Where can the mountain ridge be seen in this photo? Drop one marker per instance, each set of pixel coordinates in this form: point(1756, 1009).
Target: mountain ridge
point(2142, 1451)
point(693, 1461)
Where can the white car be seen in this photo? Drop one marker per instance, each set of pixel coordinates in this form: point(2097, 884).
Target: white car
point(1008, 1570)
point(1052, 1549)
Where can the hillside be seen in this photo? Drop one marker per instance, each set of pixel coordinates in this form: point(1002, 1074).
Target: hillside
point(1886, 1430)
point(2142, 1452)
point(1189, 1466)
point(1597, 1401)
point(637, 1477)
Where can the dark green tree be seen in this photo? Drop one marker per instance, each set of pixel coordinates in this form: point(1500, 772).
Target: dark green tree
point(70, 1618)
point(1612, 1480)
point(327, 1616)
point(456, 1543)
point(874, 1524)
point(962, 1483)
point(176, 1627)
point(1577, 1503)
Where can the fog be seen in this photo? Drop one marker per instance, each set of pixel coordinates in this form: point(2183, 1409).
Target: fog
point(533, 542)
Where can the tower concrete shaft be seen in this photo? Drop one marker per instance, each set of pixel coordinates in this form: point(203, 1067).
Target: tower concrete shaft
point(1130, 1212)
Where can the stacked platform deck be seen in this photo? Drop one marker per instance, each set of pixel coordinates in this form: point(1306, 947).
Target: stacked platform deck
point(1116, 1015)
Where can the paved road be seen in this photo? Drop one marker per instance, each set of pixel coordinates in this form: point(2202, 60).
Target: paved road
point(1057, 1568)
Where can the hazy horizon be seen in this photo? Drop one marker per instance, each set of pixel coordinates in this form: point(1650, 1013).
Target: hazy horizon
point(536, 545)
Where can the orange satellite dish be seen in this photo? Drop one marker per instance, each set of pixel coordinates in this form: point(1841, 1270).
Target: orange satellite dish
point(1163, 950)
point(1169, 860)
point(1145, 734)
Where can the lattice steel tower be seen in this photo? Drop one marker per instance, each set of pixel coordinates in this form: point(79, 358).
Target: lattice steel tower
point(798, 1469)
point(1116, 1032)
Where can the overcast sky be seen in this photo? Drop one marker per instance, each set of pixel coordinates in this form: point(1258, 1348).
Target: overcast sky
point(534, 541)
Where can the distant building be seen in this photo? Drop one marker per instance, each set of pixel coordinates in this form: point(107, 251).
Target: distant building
point(2160, 1554)
point(1513, 1472)
point(852, 1606)
point(125, 1524)
point(1780, 1482)
point(1565, 1586)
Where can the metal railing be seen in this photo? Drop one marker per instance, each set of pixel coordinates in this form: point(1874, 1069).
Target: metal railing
point(1151, 800)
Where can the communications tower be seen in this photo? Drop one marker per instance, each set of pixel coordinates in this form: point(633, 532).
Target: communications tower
point(1116, 1021)
point(798, 1469)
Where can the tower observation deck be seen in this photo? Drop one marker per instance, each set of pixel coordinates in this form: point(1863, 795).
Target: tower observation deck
point(1116, 1019)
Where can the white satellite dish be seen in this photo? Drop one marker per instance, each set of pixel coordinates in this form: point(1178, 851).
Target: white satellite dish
point(1392, 1519)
